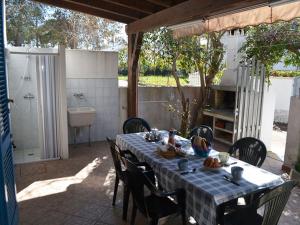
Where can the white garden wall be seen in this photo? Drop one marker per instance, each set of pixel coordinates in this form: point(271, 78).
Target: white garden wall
point(152, 105)
point(292, 149)
point(282, 88)
point(296, 86)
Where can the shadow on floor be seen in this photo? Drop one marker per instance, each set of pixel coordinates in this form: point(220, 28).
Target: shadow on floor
point(78, 191)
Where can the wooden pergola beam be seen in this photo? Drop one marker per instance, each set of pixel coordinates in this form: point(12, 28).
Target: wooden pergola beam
point(190, 10)
point(110, 7)
point(134, 49)
point(142, 6)
point(88, 10)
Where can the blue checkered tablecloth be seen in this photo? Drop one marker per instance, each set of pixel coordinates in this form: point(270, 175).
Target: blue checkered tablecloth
point(205, 190)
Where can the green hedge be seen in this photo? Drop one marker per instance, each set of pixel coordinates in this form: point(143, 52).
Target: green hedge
point(282, 73)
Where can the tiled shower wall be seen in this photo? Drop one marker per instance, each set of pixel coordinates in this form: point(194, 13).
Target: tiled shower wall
point(94, 74)
point(22, 80)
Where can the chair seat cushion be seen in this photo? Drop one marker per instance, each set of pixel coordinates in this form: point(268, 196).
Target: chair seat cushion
point(159, 207)
point(243, 217)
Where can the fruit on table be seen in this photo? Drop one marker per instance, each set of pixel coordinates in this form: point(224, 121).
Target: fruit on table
point(211, 162)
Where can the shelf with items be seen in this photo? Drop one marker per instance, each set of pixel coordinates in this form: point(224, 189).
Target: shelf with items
point(223, 136)
point(224, 130)
point(221, 112)
point(223, 125)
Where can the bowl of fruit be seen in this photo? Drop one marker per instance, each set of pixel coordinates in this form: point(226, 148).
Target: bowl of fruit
point(200, 146)
point(211, 164)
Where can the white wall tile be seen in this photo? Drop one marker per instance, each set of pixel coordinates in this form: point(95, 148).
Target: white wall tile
point(92, 102)
point(91, 92)
point(91, 83)
point(68, 83)
point(102, 94)
point(99, 83)
point(99, 92)
point(74, 83)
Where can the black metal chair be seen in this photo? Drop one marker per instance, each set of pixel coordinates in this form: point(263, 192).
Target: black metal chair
point(121, 174)
point(250, 150)
point(135, 125)
point(273, 202)
point(157, 204)
point(118, 157)
point(203, 131)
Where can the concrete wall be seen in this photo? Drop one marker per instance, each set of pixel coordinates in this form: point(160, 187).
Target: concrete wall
point(267, 117)
point(296, 86)
point(232, 43)
point(95, 74)
point(91, 64)
point(153, 103)
point(282, 88)
point(292, 150)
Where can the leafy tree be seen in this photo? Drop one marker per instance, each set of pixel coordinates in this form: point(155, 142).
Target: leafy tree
point(23, 19)
point(34, 24)
point(160, 45)
point(207, 53)
point(271, 43)
point(55, 30)
point(195, 53)
point(122, 61)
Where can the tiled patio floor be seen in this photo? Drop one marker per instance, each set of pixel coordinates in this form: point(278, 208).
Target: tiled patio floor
point(78, 191)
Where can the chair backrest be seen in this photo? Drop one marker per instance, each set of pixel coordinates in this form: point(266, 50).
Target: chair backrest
point(115, 153)
point(203, 131)
point(274, 202)
point(139, 178)
point(135, 125)
point(250, 150)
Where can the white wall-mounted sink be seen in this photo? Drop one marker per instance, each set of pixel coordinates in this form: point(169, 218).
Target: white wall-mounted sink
point(81, 116)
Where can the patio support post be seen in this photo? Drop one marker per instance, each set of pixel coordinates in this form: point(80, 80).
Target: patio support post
point(134, 47)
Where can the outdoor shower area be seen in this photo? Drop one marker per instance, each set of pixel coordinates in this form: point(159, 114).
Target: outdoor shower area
point(35, 103)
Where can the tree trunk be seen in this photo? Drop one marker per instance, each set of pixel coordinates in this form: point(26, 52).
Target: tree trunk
point(185, 102)
point(198, 116)
point(208, 74)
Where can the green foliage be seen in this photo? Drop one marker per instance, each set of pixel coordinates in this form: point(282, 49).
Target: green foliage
point(217, 79)
point(158, 51)
point(157, 80)
point(23, 20)
point(270, 43)
point(282, 73)
point(37, 25)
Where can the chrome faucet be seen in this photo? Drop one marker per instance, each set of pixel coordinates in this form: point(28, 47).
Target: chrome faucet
point(29, 96)
point(78, 95)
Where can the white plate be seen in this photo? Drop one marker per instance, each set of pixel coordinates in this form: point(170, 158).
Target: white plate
point(212, 169)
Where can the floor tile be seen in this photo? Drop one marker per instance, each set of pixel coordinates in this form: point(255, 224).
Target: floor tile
point(82, 189)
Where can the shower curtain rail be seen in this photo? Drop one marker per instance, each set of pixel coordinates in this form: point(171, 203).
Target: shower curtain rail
point(35, 53)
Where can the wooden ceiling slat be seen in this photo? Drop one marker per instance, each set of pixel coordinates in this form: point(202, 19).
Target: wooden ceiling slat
point(139, 5)
point(111, 8)
point(190, 10)
point(87, 10)
point(163, 3)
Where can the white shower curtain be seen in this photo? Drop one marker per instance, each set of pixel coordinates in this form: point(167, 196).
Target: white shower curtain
point(47, 75)
point(50, 102)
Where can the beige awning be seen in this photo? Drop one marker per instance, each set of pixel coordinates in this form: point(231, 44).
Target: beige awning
point(252, 17)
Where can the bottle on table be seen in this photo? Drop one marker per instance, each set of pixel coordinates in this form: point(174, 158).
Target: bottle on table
point(171, 139)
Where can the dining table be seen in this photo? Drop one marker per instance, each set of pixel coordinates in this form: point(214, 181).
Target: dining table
point(206, 190)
